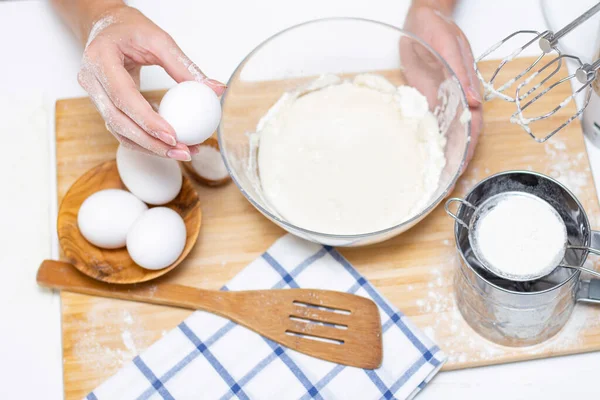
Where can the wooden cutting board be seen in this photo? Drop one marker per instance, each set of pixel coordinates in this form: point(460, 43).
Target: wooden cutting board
point(414, 271)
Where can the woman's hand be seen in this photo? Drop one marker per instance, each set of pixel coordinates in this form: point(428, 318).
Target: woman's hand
point(118, 43)
point(430, 20)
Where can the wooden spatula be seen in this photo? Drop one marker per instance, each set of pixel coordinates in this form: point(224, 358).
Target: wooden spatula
point(334, 326)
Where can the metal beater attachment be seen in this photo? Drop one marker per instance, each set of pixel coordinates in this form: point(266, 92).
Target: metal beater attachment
point(492, 92)
point(584, 75)
point(547, 42)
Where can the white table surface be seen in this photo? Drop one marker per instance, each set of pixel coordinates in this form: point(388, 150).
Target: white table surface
point(38, 53)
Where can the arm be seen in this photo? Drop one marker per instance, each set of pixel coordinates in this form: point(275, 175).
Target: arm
point(446, 7)
point(431, 20)
point(119, 40)
point(81, 16)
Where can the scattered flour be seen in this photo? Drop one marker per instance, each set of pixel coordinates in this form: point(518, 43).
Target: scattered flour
point(466, 184)
point(565, 168)
point(152, 290)
point(128, 319)
point(128, 341)
point(91, 350)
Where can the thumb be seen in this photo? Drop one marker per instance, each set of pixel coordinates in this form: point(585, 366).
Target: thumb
point(180, 67)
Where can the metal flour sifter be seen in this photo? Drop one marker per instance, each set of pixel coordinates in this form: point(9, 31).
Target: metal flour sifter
point(522, 313)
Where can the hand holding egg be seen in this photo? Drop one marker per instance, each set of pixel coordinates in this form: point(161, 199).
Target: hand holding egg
point(110, 73)
point(193, 110)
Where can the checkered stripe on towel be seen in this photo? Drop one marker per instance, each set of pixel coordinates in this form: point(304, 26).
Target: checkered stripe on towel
point(209, 357)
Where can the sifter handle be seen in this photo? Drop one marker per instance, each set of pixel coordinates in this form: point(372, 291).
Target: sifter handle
point(453, 215)
point(589, 291)
point(582, 269)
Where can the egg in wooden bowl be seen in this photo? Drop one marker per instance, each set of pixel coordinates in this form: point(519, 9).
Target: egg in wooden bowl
point(116, 265)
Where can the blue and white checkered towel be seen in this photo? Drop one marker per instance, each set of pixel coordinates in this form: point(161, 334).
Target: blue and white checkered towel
point(209, 357)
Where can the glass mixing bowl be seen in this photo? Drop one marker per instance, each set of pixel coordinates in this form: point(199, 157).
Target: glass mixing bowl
point(347, 47)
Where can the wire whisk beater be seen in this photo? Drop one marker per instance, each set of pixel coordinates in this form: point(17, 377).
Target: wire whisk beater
point(540, 77)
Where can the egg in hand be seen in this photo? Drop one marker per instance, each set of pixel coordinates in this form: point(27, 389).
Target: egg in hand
point(193, 110)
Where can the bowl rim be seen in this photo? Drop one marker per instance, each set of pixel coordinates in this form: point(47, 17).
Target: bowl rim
point(409, 222)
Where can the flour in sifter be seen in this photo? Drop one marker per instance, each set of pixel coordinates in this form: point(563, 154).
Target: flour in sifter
point(519, 236)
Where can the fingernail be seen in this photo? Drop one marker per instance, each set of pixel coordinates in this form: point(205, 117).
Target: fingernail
point(474, 87)
point(178, 154)
point(474, 94)
point(216, 83)
point(472, 90)
point(168, 139)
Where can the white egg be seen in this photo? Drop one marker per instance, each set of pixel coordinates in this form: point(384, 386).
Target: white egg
point(152, 179)
point(104, 218)
point(157, 238)
point(193, 110)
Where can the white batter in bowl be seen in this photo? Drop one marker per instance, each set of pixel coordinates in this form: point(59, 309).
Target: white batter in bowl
point(324, 146)
point(350, 156)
